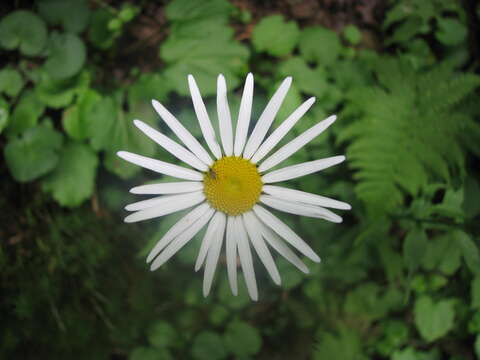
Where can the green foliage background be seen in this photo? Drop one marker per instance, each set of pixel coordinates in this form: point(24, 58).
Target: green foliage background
point(400, 278)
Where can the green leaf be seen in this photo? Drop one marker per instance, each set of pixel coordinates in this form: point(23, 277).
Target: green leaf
point(162, 334)
point(414, 248)
point(208, 346)
point(73, 180)
point(320, 45)
point(450, 31)
point(275, 36)
point(11, 82)
point(470, 251)
point(98, 32)
point(346, 346)
point(23, 30)
point(147, 87)
point(194, 55)
point(26, 114)
point(434, 320)
point(242, 339)
point(76, 119)
point(186, 10)
point(444, 254)
point(312, 81)
point(4, 114)
point(352, 34)
point(72, 15)
point(110, 129)
point(57, 93)
point(67, 54)
point(33, 154)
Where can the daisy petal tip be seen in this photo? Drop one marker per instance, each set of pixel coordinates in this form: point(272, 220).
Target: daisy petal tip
point(128, 220)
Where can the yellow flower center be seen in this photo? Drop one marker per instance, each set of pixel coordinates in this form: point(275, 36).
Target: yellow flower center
point(232, 185)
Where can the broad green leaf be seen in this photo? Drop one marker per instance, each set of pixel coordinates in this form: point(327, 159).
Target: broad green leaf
point(311, 81)
point(59, 93)
point(11, 82)
point(450, 31)
point(4, 114)
point(72, 15)
point(242, 339)
point(346, 345)
point(33, 154)
point(76, 119)
point(23, 30)
point(195, 55)
point(67, 54)
point(147, 87)
point(352, 34)
point(73, 180)
point(162, 334)
point(112, 130)
point(469, 250)
point(98, 32)
point(218, 314)
point(320, 45)
point(434, 320)
point(208, 346)
point(185, 10)
point(444, 254)
point(275, 36)
point(25, 114)
point(414, 248)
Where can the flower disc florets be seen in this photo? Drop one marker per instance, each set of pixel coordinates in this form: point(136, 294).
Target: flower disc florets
point(232, 185)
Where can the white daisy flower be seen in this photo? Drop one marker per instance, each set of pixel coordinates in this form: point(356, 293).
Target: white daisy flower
point(230, 186)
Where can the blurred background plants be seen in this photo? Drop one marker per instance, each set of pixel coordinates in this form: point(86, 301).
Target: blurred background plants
point(400, 278)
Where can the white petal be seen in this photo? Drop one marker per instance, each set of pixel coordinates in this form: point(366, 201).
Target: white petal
point(298, 170)
point(208, 238)
point(293, 146)
point(203, 119)
point(161, 166)
point(179, 227)
point(224, 118)
point(300, 209)
point(244, 115)
point(168, 188)
point(171, 146)
point(266, 119)
point(304, 197)
point(285, 232)
point(231, 254)
point(159, 201)
point(246, 259)
point(281, 131)
point(169, 208)
point(183, 134)
point(212, 257)
point(255, 233)
point(181, 240)
point(280, 246)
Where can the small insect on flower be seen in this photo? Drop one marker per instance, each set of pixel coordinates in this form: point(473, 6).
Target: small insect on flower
point(229, 186)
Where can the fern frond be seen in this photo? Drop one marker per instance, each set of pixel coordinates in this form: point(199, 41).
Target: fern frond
point(407, 131)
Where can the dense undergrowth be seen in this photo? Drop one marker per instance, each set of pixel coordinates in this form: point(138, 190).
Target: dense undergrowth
point(400, 278)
